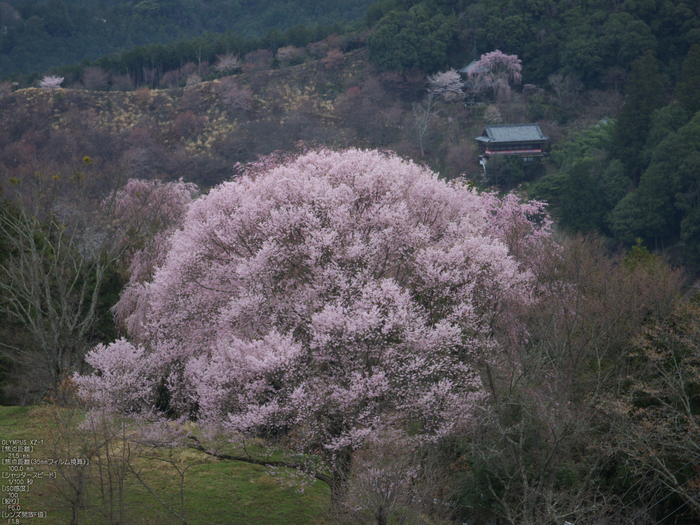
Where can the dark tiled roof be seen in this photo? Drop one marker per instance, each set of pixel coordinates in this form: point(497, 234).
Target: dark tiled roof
point(471, 66)
point(513, 133)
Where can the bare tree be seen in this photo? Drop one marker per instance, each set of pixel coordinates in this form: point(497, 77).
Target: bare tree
point(392, 482)
point(63, 237)
point(51, 282)
point(446, 87)
point(424, 114)
point(567, 89)
point(657, 417)
point(235, 95)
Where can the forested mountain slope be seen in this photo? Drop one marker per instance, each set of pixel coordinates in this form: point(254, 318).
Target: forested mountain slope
point(38, 35)
point(595, 42)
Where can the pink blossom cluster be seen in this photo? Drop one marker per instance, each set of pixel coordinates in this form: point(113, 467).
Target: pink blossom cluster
point(150, 210)
point(51, 82)
point(495, 71)
point(328, 298)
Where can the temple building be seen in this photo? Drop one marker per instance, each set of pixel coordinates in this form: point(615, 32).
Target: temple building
point(525, 140)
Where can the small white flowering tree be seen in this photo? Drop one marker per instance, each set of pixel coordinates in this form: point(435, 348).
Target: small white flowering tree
point(445, 86)
point(51, 82)
point(227, 63)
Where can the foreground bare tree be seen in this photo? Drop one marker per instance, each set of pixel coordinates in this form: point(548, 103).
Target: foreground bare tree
point(658, 416)
point(392, 484)
point(63, 233)
point(60, 249)
point(543, 446)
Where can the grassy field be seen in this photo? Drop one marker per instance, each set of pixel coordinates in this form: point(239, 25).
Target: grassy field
point(215, 491)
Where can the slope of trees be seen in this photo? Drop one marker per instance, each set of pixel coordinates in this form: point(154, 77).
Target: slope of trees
point(591, 42)
point(37, 36)
point(635, 177)
point(595, 44)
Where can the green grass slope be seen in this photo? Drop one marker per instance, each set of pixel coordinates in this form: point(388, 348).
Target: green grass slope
point(215, 491)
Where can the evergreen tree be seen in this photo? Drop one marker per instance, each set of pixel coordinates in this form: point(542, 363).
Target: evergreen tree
point(688, 92)
point(583, 200)
point(645, 94)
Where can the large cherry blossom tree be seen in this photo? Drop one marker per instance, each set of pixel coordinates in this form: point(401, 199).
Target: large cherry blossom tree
point(495, 72)
point(320, 300)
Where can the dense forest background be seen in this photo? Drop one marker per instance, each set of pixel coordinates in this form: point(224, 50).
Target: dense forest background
point(35, 36)
point(588, 40)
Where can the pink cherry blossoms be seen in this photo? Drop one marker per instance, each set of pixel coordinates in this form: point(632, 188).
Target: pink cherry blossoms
point(332, 297)
point(160, 206)
point(494, 72)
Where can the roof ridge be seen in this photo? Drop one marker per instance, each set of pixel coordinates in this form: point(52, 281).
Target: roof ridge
point(511, 125)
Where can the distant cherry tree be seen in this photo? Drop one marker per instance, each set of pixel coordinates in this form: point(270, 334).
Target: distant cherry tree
point(51, 83)
point(495, 72)
point(227, 63)
point(447, 86)
point(317, 301)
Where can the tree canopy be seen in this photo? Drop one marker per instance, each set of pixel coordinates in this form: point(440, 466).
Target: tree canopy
point(321, 301)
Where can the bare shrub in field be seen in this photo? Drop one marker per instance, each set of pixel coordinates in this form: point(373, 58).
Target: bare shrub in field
point(333, 59)
point(290, 55)
point(235, 96)
point(258, 60)
point(92, 481)
point(392, 484)
point(95, 78)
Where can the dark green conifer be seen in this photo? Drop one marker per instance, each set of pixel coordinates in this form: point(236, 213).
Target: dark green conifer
point(645, 93)
point(688, 91)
